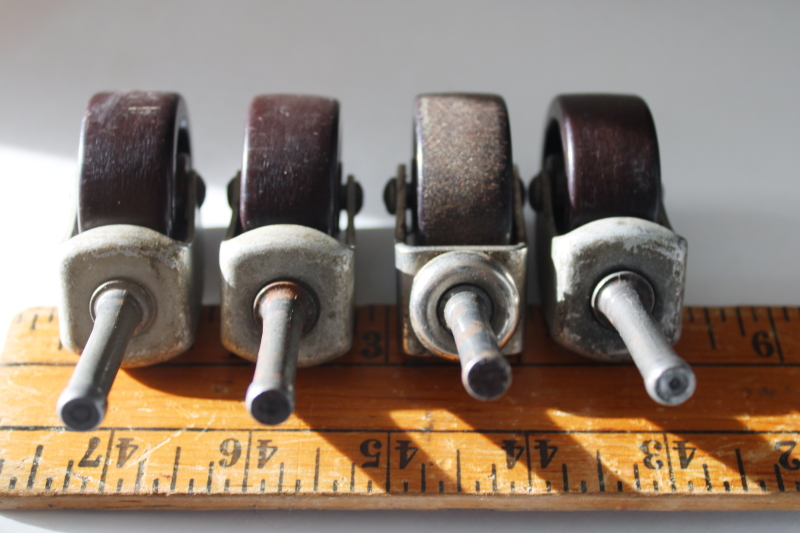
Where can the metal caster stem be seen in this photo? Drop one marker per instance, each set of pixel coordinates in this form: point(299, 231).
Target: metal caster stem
point(83, 403)
point(286, 310)
point(623, 299)
point(485, 372)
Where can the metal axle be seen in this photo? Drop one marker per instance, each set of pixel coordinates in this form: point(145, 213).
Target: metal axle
point(118, 310)
point(286, 311)
point(624, 300)
point(485, 372)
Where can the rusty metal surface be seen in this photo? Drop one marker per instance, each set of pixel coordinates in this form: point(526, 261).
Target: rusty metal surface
point(135, 165)
point(291, 172)
point(605, 159)
point(462, 170)
point(286, 311)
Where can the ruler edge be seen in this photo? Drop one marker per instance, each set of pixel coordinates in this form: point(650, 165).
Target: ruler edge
point(785, 501)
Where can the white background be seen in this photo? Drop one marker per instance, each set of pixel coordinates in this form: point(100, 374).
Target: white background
point(722, 80)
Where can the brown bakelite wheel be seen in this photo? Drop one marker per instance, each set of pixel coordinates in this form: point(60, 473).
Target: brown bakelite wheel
point(135, 165)
point(462, 170)
point(602, 153)
point(291, 171)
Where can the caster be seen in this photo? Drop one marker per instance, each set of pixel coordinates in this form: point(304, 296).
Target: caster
point(131, 273)
point(461, 263)
point(611, 270)
point(288, 272)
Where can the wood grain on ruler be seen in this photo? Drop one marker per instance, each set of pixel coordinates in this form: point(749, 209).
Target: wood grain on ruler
point(376, 429)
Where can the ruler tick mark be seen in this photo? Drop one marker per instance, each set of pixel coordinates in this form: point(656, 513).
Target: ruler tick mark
point(727, 486)
point(708, 478)
point(441, 487)
point(691, 486)
point(12, 483)
point(174, 481)
point(33, 322)
point(48, 483)
point(763, 485)
point(247, 461)
point(422, 478)
point(655, 486)
point(102, 485)
point(565, 477)
point(775, 334)
point(369, 486)
point(477, 486)
point(139, 475)
point(528, 460)
point(741, 323)
point(316, 472)
point(35, 466)
point(722, 314)
point(154, 490)
point(280, 478)
point(636, 483)
point(263, 486)
point(353, 476)
point(619, 486)
point(227, 486)
point(583, 486)
point(119, 484)
point(494, 478)
point(779, 478)
point(548, 486)
point(458, 470)
point(740, 465)
point(210, 476)
point(672, 483)
point(190, 490)
point(691, 314)
point(68, 475)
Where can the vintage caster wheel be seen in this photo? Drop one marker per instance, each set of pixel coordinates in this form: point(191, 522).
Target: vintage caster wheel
point(288, 273)
point(611, 270)
point(131, 274)
point(461, 264)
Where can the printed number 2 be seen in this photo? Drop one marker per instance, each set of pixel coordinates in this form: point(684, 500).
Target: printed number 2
point(785, 461)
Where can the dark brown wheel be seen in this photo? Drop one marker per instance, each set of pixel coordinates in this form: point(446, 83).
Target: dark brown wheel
point(135, 164)
point(462, 170)
point(602, 152)
point(290, 173)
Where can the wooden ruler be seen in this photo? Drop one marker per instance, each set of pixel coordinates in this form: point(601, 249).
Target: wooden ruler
point(378, 430)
